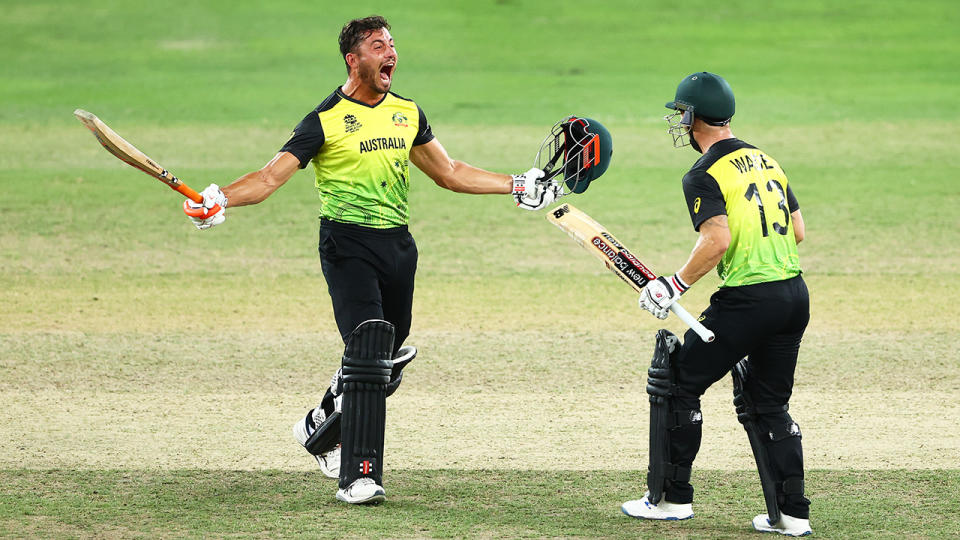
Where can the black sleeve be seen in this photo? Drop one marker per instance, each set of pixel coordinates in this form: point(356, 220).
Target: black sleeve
point(792, 200)
point(306, 140)
point(704, 198)
point(424, 134)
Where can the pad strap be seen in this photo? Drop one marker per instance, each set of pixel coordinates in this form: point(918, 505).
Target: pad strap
point(326, 437)
point(793, 486)
point(677, 473)
point(779, 433)
point(678, 419)
point(404, 356)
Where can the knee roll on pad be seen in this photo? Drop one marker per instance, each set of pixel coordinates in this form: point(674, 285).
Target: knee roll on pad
point(403, 357)
point(664, 418)
point(366, 370)
point(765, 426)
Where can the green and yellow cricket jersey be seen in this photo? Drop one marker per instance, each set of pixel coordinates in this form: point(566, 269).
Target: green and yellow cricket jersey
point(361, 157)
point(746, 184)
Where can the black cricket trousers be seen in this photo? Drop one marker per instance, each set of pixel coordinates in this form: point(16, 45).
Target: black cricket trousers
point(764, 322)
point(370, 274)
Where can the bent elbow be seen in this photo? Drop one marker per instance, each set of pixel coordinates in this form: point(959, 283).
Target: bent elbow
point(720, 247)
point(720, 242)
point(443, 181)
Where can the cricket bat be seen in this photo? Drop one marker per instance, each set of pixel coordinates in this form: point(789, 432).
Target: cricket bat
point(129, 154)
point(594, 238)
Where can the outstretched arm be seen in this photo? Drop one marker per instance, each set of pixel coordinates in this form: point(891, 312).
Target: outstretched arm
point(250, 188)
point(432, 159)
point(256, 186)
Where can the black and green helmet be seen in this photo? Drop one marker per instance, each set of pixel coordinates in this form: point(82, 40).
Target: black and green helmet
point(707, 96)
point(577, 147)
point(589, 147)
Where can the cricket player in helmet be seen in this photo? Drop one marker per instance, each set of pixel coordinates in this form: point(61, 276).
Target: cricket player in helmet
point(749, 224)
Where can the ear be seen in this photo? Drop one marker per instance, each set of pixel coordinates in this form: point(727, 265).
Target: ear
point(352, 60)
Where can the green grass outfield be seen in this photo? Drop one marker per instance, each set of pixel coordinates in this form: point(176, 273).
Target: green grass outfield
point(149, 373)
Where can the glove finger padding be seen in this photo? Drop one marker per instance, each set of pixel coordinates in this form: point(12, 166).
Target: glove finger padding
point(545, 197)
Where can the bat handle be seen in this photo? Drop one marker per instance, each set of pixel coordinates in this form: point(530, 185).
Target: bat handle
point(685, 316)
point(195, 197)
point(187, 192)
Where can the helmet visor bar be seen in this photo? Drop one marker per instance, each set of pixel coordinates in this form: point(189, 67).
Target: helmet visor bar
point(679, 124)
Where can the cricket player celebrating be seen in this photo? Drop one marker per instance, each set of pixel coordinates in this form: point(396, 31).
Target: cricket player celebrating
point(749, 224)
point(360, 141)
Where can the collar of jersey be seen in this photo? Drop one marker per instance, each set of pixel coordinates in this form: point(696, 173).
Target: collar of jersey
point(350, 99)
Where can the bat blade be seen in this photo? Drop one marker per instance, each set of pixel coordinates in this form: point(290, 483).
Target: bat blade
point(603, 245)
point(131, 155)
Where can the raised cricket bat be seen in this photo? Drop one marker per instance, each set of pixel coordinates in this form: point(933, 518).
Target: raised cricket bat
point(594, 238)
point(126, 152)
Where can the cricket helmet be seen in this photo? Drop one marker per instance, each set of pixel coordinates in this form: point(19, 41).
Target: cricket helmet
point(591, 151)
point(584, 146)
point(702, 95)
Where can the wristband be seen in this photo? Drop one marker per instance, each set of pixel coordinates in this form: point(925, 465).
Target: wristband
point(678, 284)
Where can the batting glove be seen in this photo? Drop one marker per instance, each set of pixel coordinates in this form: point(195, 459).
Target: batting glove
point(207, 214)
point(661, 293)
point(529, 193)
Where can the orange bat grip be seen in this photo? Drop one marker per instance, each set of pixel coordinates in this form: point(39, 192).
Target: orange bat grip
point(189, 193)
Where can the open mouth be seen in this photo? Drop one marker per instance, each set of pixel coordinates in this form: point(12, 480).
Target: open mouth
point(386, 72)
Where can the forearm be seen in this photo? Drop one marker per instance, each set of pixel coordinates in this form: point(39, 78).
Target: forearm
point(433, 160)
point(256, 186)
point(465, 178)
point(250, 188)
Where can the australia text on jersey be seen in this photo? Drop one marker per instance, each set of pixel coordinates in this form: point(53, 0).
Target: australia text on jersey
point(382, 143)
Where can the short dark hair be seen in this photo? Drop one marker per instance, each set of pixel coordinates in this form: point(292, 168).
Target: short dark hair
point(356, 31)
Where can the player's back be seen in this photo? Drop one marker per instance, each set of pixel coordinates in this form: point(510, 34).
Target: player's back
point(758, 203)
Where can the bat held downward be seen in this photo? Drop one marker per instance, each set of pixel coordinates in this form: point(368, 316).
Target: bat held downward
point(691, 321)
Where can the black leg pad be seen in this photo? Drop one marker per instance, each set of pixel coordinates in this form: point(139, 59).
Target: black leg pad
point(756, 422)
point(367, 366)
point(664, 419)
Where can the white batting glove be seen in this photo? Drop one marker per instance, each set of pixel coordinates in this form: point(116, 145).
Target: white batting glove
point(529, 193)
point(201, 214)
point(661, 293)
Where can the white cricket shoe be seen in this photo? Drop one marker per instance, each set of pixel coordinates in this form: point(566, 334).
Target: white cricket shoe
point(664, 510)
point(787, 526)
point(362, 491)
point(329, 461)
